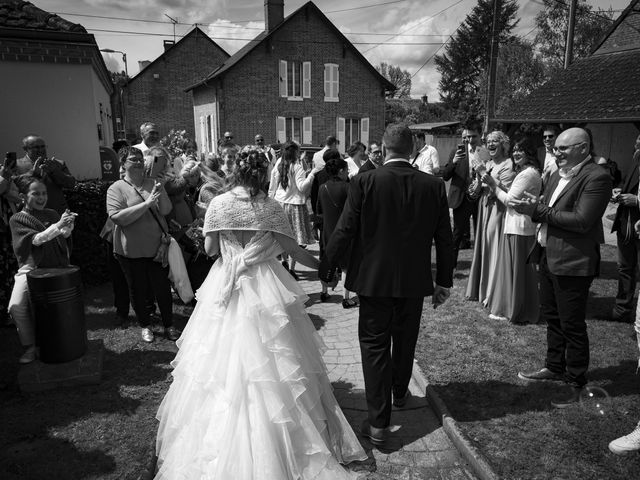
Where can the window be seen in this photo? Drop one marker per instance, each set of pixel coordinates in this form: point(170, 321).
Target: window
point(294, 128)
point(295, 79)
point(351, 130)
point(331, 82)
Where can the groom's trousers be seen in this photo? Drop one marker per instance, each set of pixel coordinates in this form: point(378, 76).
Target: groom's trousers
point(388, 330)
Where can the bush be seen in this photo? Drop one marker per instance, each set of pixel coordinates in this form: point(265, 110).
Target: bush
point(88, 200)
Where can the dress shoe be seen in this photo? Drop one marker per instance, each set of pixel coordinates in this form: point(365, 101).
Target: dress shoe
point(324, 296)
point(542, 374)
point(377, 436)
point(626, 444)
point(349, 303)
point(29, 355)
point(147, 335)
point(400, 402)
point(172, 333)
point(568, 400)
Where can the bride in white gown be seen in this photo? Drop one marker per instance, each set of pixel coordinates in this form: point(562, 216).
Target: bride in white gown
point(250, 398)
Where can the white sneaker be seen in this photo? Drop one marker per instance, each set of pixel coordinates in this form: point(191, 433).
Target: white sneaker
point(28, 356)
point(626, 444)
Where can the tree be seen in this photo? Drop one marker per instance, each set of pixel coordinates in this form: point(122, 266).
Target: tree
point(400, 78)
point(467, 56)
point(520, 70)
point(552, 23)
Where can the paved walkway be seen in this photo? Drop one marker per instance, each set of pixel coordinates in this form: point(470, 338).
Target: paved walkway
point(418, 448)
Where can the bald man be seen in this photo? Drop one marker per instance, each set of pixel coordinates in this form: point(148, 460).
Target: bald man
point(568, 253)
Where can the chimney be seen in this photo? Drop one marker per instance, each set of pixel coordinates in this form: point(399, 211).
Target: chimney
point(273, 14)
point(168, 44)
point(142, 64)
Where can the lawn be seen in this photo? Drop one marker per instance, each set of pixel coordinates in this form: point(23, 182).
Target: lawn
point(473, 361)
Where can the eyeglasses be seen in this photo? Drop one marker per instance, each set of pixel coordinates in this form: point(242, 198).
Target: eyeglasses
point(376, 152)
point(564, 148)
point(548, 136)
point(135, 159)
point(259, 139)
point(228, 138)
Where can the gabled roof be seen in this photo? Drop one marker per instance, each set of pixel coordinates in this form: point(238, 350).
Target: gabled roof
point(21, 14)
point(631, 21)
point(264, 36)
point(193, 32)
point(602, 87)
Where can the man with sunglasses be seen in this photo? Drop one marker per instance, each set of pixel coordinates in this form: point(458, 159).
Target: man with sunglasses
point(53, 171)
point(376, 158)
point(545, 153)
point(568, 255)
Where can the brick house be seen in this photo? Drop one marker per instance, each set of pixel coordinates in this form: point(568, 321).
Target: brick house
point(157, 93)
point(300, 79)
point(600, 92)
point(53, 82)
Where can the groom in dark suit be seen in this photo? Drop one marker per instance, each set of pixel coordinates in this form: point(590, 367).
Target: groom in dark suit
point(392, 217)
point(568, 253)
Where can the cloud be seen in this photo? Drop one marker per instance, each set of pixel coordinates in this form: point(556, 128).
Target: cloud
point(222, 30)
point(113, 61)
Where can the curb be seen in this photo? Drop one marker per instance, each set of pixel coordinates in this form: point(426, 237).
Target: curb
point(476, 460)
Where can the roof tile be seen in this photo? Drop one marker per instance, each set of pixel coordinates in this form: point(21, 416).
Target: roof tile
point(21, 14)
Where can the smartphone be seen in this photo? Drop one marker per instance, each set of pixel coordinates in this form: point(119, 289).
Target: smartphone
point(10, 159)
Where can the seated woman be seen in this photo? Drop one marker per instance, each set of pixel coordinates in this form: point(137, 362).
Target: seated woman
point(137, 205)
point(516, 281)
point(40, 240)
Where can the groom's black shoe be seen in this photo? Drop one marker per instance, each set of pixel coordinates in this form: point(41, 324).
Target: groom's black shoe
point(377, 436)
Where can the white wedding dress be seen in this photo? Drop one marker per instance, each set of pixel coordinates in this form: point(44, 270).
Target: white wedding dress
point(250, 398)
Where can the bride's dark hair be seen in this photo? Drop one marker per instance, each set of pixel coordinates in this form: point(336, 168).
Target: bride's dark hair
point(251, 171)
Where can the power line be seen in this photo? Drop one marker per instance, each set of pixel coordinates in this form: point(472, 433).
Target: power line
point(250, 39)
point(416, 25)
point(365, 6)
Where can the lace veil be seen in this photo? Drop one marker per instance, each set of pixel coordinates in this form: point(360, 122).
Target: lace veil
point(236, 210)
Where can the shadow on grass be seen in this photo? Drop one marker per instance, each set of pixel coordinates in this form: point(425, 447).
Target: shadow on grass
point(75, 433)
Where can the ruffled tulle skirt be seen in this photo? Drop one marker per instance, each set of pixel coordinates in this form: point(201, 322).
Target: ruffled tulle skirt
point(250, 397)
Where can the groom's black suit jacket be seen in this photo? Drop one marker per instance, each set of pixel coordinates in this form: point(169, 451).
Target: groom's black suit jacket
point(393, 215)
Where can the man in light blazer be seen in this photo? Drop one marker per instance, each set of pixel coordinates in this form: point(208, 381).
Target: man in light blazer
point(568, 253)
point(392, 216)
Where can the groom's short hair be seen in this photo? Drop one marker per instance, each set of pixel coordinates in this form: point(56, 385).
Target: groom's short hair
point(398, 139)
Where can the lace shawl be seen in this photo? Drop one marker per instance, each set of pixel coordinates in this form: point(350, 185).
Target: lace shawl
point(236, 210)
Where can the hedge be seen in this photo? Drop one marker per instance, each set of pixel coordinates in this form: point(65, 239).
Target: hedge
point(88, 200)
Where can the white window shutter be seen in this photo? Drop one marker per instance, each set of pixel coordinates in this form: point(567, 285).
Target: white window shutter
point(327, 81)
point(306, 79)
point(281, 129)
point(336, 82)
point(364, 130)
point(340, 128)
point(283, 78)
point(306, 131)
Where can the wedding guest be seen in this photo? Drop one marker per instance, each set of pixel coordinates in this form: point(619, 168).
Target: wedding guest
point(137, 205)
point(490, 224)
point(516, 288)
point(212, 184)
point(546, 155)
point(9, 204)
point(189, 149)
point(330, 143)
point(150, 137)
point(426, 159)
point(40, 238)
point(460, 171)
point(157, 164)
point(228, 160)
point(375, 158)
point(53, 171)
point(627, 214)
point(290, 186)
point(567, 251)
point(356, 157)
point(331, 199)
point(181, 191)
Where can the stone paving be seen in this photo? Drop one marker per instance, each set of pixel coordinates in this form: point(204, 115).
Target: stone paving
point(418, 448)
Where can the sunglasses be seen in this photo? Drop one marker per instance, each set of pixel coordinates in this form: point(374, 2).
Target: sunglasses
point(228, 138)
point(548, 136)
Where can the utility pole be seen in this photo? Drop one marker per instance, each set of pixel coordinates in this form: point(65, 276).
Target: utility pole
point(568, 53)
point(493, 66)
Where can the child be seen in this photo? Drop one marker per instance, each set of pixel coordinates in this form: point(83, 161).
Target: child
point(39, 237)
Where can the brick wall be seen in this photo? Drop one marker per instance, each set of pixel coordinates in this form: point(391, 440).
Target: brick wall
point(249, 92)
point(162, 100)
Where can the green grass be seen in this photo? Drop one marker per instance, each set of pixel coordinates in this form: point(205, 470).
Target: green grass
point(104, 431)
point(473, 361)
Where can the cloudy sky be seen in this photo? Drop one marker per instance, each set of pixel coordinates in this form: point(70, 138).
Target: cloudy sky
point(400, 32)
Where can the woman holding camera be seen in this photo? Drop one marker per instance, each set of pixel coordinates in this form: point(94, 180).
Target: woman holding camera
point(137, 205)
point(491, 213)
